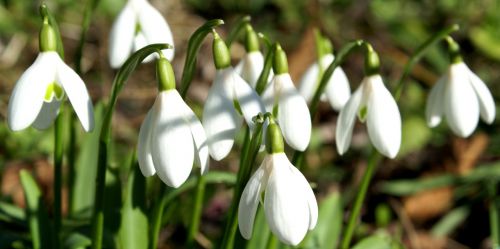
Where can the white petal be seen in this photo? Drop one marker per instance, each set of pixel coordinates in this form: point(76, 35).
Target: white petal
point(461, 102)
point(155, 28)
point(122, 37)
point(77, 94)
point(251, 67)
point(287, 212)
point(435, 102)
point(220, 119)
point(383, 118)
point(338, 90)
point(249, 200)
point(309, 194)
point(309, 82)
point(293, 114)
point(140, 42)
point(486, 102)
point(198, 133)
point(28, 95)
point(144, 156)
point(47, 114)
point(269, 96)
point(248, 100)
point(172, 144)
point(347, 119)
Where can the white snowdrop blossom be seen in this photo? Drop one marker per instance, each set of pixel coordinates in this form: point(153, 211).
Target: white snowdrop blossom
point(337, 90)
point(37, 95)
point(139, 24)
point(373, 103)
point(292, 111)
point(461, 97)
point(228, 99)
point(289, 203)
point(250, 67)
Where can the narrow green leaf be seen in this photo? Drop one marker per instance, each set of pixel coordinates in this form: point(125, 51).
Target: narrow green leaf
point(37, 216)
point(133, 233)
point(375, 242)
point(450, 221)
point(11, 213)
point(77, 241)
point(194, 44)
point(326, 234)
point(237, 29)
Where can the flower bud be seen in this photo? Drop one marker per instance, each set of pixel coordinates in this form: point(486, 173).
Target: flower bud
point(164, 74)
point(48, 37)
point(274, 141)
point(222, 59)
point(280, 62)
point(251, 40)
point(372, 61)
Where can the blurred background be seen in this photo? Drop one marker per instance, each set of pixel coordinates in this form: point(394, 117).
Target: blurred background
point(441, 204)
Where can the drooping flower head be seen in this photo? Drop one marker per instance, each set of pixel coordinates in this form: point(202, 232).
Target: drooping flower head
point(337, 90)
point(38, 94)
point(250, 67)
point(171, 138)
point(229, 98)
point(139, 24)
point(373, 104)
point(282, 98)
point(460, 96)
point(289, 202)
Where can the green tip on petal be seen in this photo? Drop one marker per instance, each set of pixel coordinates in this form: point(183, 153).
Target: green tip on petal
point(280, 62)
point(222, 58)
point(274, 141)
point(53, 90)
point(372, 61)
point(454, 50)
point(251, 39)
point(164, 74)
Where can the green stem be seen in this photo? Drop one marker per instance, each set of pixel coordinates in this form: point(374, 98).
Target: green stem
point(261, 83)
point(87, 18)
point(420, 51)
point(198, 207)
point(58, 160)
point(194, 45)
point(493, 210)
point(272, 242)
point(246, 165)
point(236, 31)
point(105, 137)
point(360, 197)
point(298, 157)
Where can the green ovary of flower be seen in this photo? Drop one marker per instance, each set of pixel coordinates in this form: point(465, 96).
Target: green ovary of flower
point(53, 89)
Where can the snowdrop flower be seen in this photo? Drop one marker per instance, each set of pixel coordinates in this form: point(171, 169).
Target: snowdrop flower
point(289, 202)
point(337, 90)
point(292, 111)
point(139, 24)
point(373, 103)
point(461, 97)
point(250, 67)
point(229, 97)
point(37, 95)
point(171, 138)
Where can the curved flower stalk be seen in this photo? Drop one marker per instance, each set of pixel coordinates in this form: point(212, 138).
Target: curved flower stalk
point(139, 24)
point(171, 138)
point(37, 95)
point(250, 67)
point(229, 97)
point(292, 111)
point(461, 96)
point(337, 91)
point(289, 202)
point(373, 103)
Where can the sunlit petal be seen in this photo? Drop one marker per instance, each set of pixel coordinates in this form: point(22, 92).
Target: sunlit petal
point(28, 95)
point(435, 102)
point(220, 119)
point(347, 119)
point(155, 29)
point(122, 37)
point(486, 102)
point(383, 118)
point(144, 156)
point(338, 89)
point(248, 100)
point(461, 102)
point(309, 82)
point(293, 114)
point(172, 146)
point(309, 195)
point(77, 94)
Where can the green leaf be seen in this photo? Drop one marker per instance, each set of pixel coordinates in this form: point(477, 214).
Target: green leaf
point(133, 233)
point(415, 135)
point(486, 39)
point(11, 214)
point(326, 234)
point(237, 29)
point(77, 241)
point(194, 44)
point(37, 216)
point(86, 168)
point(375, 242)
point(450, 221)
